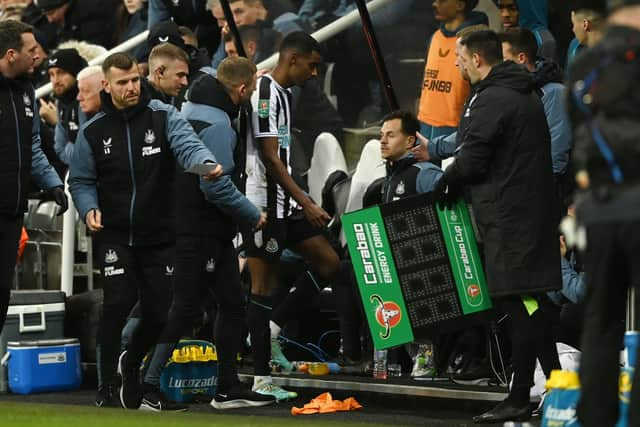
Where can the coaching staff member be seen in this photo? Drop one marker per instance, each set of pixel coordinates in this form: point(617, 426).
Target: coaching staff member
point(504, 159)
point(21, 157)
point(122, 182)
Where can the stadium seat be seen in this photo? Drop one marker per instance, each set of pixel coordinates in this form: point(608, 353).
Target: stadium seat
point(338, 198)
point(370, 167)
point(328, 202)
point(327, 158)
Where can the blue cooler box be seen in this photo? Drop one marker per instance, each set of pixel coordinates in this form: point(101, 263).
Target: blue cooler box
point(44, 365)
point(32, 315)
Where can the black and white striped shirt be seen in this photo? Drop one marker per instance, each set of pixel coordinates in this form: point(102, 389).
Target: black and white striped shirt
point(271, 118)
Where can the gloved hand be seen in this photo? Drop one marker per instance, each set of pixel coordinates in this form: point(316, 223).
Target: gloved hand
point(58, 195)
point(447, 192)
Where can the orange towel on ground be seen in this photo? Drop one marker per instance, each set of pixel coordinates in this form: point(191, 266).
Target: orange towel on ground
point(324, 404)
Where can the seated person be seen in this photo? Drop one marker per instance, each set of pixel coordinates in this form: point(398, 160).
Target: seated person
point(405, 177)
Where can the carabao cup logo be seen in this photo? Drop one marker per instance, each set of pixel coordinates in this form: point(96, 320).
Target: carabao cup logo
point(473, 290)
point(388, 315)
point(474, 295)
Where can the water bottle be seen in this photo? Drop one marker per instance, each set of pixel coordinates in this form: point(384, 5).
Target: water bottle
point(631, 344)
point(423, 362)
point(380, 364)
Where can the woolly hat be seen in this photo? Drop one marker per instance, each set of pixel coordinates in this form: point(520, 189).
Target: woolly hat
point(165, 32)
point(67, 59)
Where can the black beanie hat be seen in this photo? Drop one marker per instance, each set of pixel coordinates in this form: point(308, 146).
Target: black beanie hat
point(46, 5)
point(165, 32)
point(67, 59)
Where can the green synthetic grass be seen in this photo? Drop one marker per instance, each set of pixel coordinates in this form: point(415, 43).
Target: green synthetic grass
point(45, 415)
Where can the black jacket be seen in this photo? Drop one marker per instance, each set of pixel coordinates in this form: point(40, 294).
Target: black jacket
point(615, 112)
point(504, 157)
point(408, 177)
point(404, 178)
point(124, 163)
point(21, 156)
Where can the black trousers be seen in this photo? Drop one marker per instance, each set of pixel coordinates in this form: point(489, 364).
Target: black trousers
point(349, 310)
point(203, 265)
point(531, 339)
point(611, 266)
point(130, 274)
point(9, 237)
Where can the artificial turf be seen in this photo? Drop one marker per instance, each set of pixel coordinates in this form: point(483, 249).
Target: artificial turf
point(13, 414)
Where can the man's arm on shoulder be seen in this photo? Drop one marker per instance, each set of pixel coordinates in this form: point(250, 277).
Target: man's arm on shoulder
point(473, 158)
point(442, 147)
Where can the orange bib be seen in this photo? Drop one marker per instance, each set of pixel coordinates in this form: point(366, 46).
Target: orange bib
point(444, 91)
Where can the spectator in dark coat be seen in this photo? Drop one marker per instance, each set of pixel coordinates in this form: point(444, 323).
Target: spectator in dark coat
point(131, 20)
point(92, 21)
point(192, 14)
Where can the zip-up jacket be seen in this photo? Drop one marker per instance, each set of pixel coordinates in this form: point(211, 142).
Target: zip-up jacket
point(21, 155)
point(548, 78)
point(124, 163)
point(407, 177)
point(70, 118)
point(201, 208)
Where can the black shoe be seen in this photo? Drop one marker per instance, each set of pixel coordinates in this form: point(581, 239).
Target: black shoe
point(505, 411)
point(154, 400)
point(350, 366)
point(107, 397)
point(240, 396)
point(130, 391)
point(480, 374)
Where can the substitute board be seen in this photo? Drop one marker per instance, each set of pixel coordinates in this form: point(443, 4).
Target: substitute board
point(417, 268)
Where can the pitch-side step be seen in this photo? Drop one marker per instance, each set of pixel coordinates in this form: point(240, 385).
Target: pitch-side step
point(407, 387)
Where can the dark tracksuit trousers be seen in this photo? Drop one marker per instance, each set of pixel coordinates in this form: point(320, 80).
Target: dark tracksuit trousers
point(204, 264)
point(130, 274)
point(9, 237)
point(611, 267)
point(531, 339)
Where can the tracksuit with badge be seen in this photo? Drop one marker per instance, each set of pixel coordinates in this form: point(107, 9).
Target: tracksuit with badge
point(124, 164)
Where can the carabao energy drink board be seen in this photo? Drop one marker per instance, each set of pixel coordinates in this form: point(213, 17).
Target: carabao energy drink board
point(417, 268)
